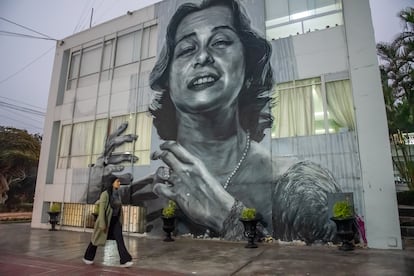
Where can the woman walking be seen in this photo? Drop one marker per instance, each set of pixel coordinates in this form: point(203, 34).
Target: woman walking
point(109, 223)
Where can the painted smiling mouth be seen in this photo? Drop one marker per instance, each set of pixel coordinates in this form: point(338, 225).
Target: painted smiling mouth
point(202, 82)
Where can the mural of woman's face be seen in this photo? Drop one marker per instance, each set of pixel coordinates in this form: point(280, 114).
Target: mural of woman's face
point(207, 68)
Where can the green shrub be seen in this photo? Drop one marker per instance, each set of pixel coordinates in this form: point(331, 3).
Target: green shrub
point(54, 207)
point(342, 209)
point(25, 207)
point(403, 157)
point(169, 211)
point(248, 213)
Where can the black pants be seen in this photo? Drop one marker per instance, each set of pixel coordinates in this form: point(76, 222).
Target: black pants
point(115, 231)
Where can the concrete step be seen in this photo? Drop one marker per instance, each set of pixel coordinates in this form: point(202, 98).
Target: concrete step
point(406, 210)
point(406, 221)
point(407, 231)
point(406, 213)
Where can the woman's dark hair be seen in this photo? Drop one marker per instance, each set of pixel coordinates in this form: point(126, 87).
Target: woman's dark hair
point(258, 81)
point(108, 181)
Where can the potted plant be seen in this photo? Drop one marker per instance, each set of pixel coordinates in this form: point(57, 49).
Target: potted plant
point(168, 217)
point(343, 216)
point(54, 211)
point(249, 218)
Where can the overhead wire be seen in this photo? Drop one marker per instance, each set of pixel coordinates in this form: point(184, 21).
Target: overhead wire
point(25, 35)
point(24, 116)
point(22, 112)
point(96, 9)
point(27, 28)
point(24, 123)
point(22, 108)
point(97, 18)
point(38, 107)
point(26, 66)
point(82, 16)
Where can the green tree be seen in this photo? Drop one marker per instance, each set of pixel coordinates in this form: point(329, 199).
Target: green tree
point(397, 72)
point(397, 75)
point(19, 157)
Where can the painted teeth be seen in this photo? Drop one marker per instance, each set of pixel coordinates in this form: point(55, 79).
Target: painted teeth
point(203, 80)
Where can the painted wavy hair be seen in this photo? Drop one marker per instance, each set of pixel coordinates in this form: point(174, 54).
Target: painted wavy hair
point(255, 93)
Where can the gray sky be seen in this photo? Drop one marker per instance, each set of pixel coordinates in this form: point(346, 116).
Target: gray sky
point(26, 64)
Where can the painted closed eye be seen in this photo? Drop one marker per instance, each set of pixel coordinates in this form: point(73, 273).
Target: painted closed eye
point(221, 43)
point(183, 51)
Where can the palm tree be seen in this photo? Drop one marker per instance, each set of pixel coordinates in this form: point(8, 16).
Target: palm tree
point(397, 74)
point(19, 155)
point(398, 70)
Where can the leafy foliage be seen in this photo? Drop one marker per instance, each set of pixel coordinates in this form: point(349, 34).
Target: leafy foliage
point(397, 72)
point(169, 210)
point(55, 207)
point(19, 156)
point(403, 158)
point(248, 213)
point(342, 209)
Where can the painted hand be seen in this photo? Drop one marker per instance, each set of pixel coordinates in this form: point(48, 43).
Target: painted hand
point(197, 192)
point(108, 163)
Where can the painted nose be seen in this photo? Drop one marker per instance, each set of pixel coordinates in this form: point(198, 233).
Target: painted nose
point(203, 58)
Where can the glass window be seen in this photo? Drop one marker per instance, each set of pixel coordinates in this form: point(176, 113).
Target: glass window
point(73, 70)
point(305, 107)
point(128, 48)
point(115, 122)
point(152, 51)
point(74, 65)
point(322, 22)
point(141, 125)
point(101, 127)
point(64, 146)
point(91, 60)
point(149, 42)
point(340, 105)
point(107, 58)
point(292, 17)
point(82, 138)
point(112, 72)
point(143, 143)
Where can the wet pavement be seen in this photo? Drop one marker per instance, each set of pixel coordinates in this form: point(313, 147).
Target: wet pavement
point(27, 251)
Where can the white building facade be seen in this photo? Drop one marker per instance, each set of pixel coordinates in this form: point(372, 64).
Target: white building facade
point(329, 106)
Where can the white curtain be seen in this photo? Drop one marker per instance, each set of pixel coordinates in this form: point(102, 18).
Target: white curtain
point(143, 143)
point(64, 146)
point(340, 105)
point(101, 129)
point(294, 109)
point(82, 138)
point(81, 148)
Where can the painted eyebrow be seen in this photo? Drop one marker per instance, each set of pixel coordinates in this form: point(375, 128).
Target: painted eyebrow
point(225, 27)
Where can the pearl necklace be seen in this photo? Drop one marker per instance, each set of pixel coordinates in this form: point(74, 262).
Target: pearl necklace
point(243, 157)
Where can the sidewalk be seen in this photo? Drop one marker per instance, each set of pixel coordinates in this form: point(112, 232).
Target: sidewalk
point(26, 251)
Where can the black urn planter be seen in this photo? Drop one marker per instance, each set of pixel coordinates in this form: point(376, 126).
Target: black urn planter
point(168, 227)
point(53, 220)
point(250, 231)
point(345, 232)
